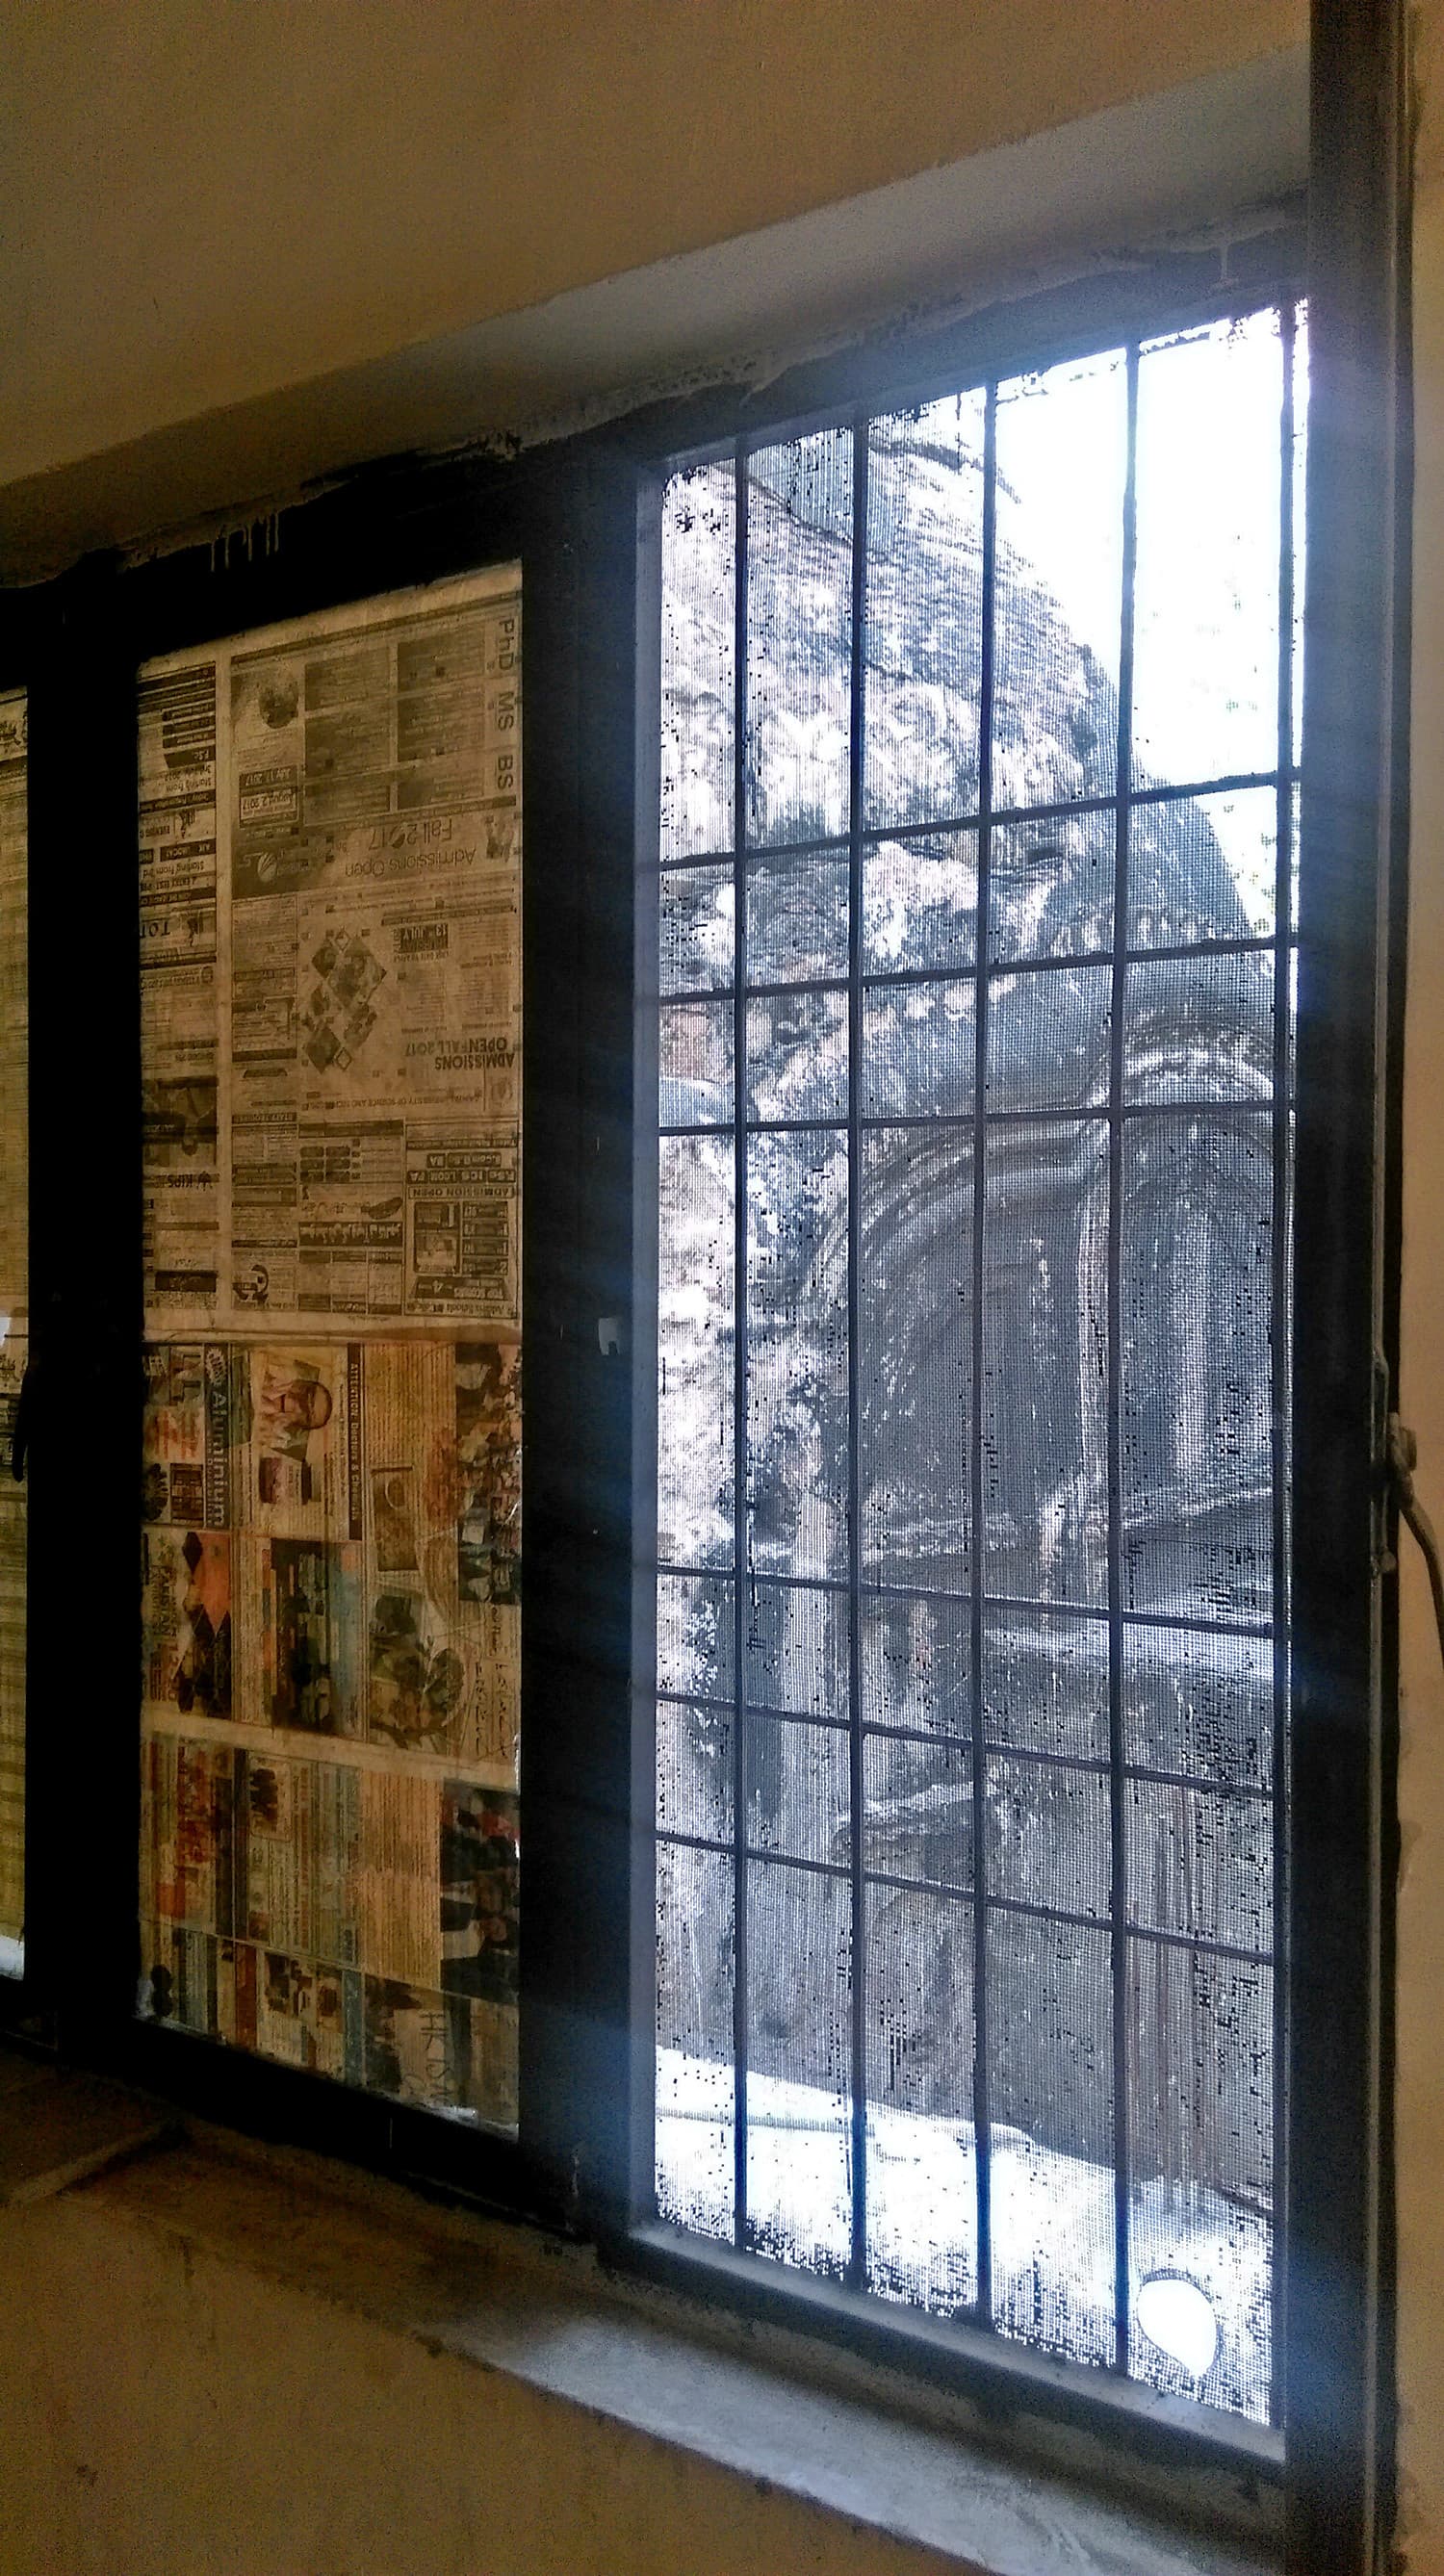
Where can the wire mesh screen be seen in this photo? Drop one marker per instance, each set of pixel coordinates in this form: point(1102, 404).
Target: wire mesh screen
point(973, 911)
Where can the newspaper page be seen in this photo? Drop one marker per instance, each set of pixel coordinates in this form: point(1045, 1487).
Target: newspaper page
point(330, 863)
point(14, 1297)
point(331, 1497)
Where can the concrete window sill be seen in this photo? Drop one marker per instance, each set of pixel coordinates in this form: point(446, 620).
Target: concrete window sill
point(882, 2486)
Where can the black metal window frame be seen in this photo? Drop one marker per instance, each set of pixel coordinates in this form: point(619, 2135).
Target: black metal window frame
point(581, 518)
point(1115, 1118)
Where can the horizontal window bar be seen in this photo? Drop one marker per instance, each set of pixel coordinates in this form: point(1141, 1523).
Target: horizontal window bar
point(1233, 783)
point(997, 969)
point(1097, 1765)
point(965, 1121)
point(991, 1600)
point(992, 1903)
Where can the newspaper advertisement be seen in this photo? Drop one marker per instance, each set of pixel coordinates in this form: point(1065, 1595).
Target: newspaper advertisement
point(331, 1593)
point(330, 1543)
point(342, 1921)
point(330, 838)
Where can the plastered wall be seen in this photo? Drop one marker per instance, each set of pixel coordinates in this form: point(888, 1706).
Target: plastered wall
point(208, 199)
point(164, 2411)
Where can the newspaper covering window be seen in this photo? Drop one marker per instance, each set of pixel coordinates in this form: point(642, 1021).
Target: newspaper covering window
point(330, 894)
point(14, 1302)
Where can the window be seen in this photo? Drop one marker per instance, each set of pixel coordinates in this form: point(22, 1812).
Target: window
point(330, 979)
point(973, 929)
point(930, 1786)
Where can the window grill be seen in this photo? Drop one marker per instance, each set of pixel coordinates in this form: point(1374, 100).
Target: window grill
point(973, 914)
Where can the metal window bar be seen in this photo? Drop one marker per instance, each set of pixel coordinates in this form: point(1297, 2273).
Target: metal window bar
point(1280, 1334)
point(857, 1788)
point(1116, 1115)
point(1116, 1054)
point(977, 1499)
point(740, 1522)
point(1233, 782)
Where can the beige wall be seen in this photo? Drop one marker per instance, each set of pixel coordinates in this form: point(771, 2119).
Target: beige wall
point(213, 198)
point(164, 2411)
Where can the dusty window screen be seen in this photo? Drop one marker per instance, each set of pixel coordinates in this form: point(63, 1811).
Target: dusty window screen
point(14, 1313)
point(330, 886)
point(979, 744)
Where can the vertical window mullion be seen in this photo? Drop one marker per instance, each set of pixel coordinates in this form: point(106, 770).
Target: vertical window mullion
point(857, 1801)
point(1280, 1333)
point(1116, 1745)
point(739, 1380)
point(982, 2156)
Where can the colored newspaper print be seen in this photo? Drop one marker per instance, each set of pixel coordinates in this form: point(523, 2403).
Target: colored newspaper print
point(330, 1478)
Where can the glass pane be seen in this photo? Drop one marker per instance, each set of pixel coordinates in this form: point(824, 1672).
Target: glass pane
point(922, 2244)
point(1048, 1039)
point(924, 612)
point(699, 590)
point(1200, 1029)
point(799, 1803)
point(795, 1644)
point(918, 1044)
point(695, 1328)
point(1202, 868)
point(799, 2111)
point(920, 901)
point(1048, 1835)
point(14, 1317)
point(797, 1056)
point(180, 1047)
point(695, 2167)
point(917, 1662)
point(694, 1636)
point(1050, 886)
point(1051, 2100)
point(1200, 1863)
point(915, 1361)
point(1201, 2121)
point(797, 1353)
point(919, 1810)
point(1199, 1703)
point(797, 920)
point(695, 908)
point(694, 1064)
point(1205, 684)
point(1062, 461)
point(331, 1540)
point(799, 638)
point(694, 1771)
point(1044, 1365)
point(1197, 1428)
point(1045, 1681)
point(909, 1512)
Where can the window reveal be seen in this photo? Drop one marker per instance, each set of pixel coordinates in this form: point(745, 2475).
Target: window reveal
point(331, 1009)
point(979, 740)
